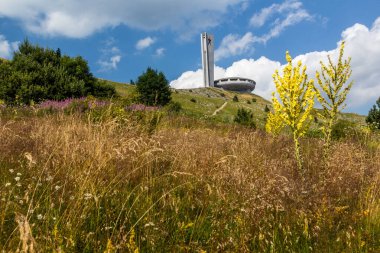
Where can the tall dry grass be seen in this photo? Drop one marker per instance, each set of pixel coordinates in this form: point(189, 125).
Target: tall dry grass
point(92, 186)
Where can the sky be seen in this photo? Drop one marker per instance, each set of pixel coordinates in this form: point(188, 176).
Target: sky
point(120, 39)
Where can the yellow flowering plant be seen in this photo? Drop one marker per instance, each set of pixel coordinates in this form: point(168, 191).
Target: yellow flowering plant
point(333, 92)
point(293, 104)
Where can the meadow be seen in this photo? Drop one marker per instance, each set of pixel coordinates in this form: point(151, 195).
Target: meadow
point(113, 180)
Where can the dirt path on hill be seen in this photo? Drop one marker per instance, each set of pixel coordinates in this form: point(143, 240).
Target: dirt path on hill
point(219, 109)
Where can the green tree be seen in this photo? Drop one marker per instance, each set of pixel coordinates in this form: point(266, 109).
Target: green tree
point(153, 88)
point(294, 105)
point(36, 74)
point(333, 91)
point(373, 118)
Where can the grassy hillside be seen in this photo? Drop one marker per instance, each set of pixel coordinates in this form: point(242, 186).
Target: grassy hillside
point(203, 102)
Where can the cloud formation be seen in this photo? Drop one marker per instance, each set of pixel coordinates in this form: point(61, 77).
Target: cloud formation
point(289, 13)
point(67, 18)
point(145, 43)
point(365, 65)
point(260, 18)
point(160, 52)
point(7, 48)
point(110, 56)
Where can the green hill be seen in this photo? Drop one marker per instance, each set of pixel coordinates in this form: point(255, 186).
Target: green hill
point(219, 105)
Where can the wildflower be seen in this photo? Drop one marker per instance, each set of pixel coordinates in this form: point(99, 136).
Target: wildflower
point(7, 184)
point(18, 174)
point(57, 187)
point(87, 196)
point(18, 185)
point(17, 179)
point(11, 170)
point(39, 216)
point(149, 224)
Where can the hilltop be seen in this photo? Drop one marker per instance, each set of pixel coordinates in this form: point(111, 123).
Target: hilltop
point(218, 105)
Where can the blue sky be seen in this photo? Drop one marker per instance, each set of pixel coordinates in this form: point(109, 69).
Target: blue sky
point(120, 39)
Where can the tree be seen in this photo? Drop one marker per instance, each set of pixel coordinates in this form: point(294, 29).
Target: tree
point(333, 92)
point(36, 74)
point(294, 105)
point(373, 118)
point(153, 88)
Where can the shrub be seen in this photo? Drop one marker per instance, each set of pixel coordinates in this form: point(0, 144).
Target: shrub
point(245, 117)
point(254, 100)
point(174, 107)
point(266, 109)
point(342, 129)
point(193, 100)
point(235, 99)
point(153, 88)
point(373, 118)
point(248, 102)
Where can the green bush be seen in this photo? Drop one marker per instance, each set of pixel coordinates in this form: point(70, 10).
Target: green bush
point(193, 100)
point(254, 100)
point(153, 88)
point(235, 99)
point(373, 118)
point(343, 129)
point(36, 74)
point(245, 117)
point(174, 107)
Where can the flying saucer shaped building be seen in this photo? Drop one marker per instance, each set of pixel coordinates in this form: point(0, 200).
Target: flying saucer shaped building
point(239, 84)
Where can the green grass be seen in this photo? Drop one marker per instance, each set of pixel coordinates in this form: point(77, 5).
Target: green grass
point(210, 99)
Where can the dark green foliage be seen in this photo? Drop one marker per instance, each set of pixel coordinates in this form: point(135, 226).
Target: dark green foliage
point(235, 99)
point(342, 129)
point(36, 74)
point(193, 100)
point(174, 107)
point(266, 109)
point(254, 100)
point(245, 117)
point(248, 102)
point(373, 118)
point(153, 88)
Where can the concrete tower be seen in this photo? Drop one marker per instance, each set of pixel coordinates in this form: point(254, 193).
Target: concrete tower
point(207, 42)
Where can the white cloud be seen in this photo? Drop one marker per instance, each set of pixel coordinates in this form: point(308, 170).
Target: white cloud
point(145, 43)
point(291, 13)
point(260, 18)
point(110, 64)
point(160, 52)
point(280, 25)
point(78, 19)
point(233, 45)
point(110, 56)
point(7, 48)
point(360, 46)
